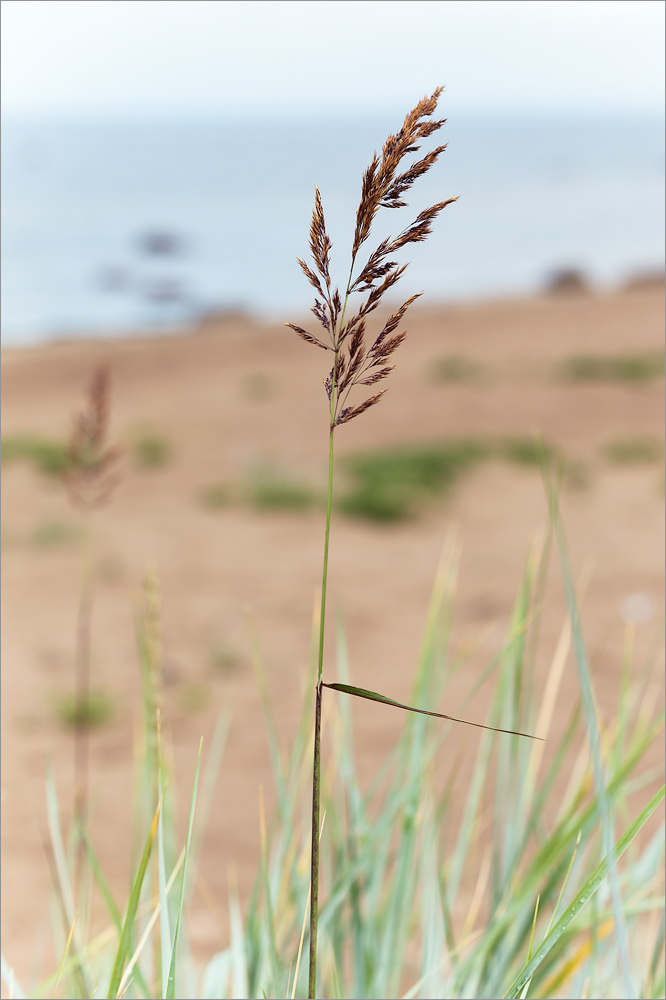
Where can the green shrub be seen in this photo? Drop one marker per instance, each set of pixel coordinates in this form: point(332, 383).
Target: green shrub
point(273, 489)
point(95, 710)
point(630, 368)
point(216, 497)
point(524, 451)
point(151, 451)
point(55, 534)
point(455, 368)
point(48, 456)
point(634, 451)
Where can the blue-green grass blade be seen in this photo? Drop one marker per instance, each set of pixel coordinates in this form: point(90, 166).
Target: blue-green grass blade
point(170, 991)
point(209, 776)
point(584, 677)
point(240, 973)
point(63, 883)
point(130, 916)
point(107, 896)
point(165, 928)
point(374, 696)
point(582, 896)
point(100, 878)
point(269, 719)
point(655, 985)
point(14, 987)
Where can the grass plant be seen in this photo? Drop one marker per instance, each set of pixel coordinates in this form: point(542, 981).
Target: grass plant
point(90, 478)
point(358, 362)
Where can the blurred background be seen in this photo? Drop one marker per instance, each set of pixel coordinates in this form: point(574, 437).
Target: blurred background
point(158, 160)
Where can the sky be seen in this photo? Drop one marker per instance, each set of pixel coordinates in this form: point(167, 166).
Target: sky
point(180, 58)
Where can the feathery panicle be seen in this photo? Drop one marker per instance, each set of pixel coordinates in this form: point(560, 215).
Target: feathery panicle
point(385, 182)
point(89, 477)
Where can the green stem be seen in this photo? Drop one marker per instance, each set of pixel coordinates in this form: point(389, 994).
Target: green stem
point(316, 764)
point(324, 578)
point(314, 860)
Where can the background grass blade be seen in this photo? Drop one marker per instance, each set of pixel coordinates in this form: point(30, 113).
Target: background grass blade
point(125, 941)
point(171, 982)
point(582, 896)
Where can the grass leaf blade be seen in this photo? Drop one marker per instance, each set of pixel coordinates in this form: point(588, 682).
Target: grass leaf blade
point(374, 696)
point(132, 906)
point(582, 896)
point(171, 983)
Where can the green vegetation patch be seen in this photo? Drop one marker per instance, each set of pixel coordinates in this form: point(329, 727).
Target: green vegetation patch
point(223, 658)
point(94, 710)
point(46, 455)
point(258, 387)
point(456, 368)
point(393, 484)
point(151, 451)
point(524, 451)
point(217, 496)
point(273, 489)
point(634, 451)
point(631, 368)
point(54, 534)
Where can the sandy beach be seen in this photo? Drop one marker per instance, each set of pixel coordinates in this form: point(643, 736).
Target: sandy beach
point(233, 397)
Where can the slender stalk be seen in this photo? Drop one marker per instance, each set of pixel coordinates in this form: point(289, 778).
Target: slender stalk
point(324, 578)
point(314, 859)
point(316, 762)
point(356, 363)
point(82, 694)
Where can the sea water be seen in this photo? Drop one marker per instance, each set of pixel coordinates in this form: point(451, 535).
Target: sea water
point(112, 226)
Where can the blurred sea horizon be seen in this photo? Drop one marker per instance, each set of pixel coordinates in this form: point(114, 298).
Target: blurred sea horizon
point(110, 227)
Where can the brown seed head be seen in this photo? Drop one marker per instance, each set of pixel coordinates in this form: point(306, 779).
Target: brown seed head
point(89, 476)
point(384, 184)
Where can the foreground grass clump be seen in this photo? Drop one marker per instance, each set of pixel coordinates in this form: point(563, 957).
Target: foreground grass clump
point(516, 869)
